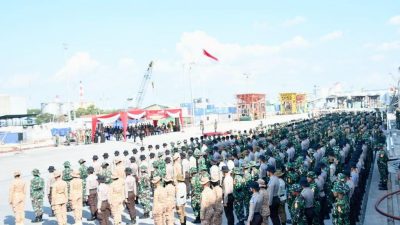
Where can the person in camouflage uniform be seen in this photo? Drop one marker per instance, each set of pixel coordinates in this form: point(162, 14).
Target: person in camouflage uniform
point(317, 206)
point(66, 176)
point(196, 194)
point(341, 208)
point(383, 168)
point(239, 188)
point(247, 194)
point(83, 175)
point(297, 206)
point(37, 195)
point(144, 192)
point(106, 173)
point(291, 176)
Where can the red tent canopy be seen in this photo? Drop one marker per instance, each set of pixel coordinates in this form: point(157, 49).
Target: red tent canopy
point(136, 114)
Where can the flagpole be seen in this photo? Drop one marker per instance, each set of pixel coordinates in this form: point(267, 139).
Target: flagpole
point(191, 93)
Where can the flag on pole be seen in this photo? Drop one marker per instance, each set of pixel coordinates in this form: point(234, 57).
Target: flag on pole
point(209, 55)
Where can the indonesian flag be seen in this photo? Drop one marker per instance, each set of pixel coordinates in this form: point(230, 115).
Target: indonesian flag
point(209, 55)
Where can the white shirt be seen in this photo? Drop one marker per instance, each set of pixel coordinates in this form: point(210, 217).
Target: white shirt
point(185, 167)
point(181, 193)
point(91, 183)
point(192, 161)
point(282, 190)
point(130, 185)
point(214, 171)
point(227, 186)
point(230, 165)
point(102, 194)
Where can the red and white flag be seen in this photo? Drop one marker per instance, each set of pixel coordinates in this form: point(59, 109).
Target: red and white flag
point(209, 55)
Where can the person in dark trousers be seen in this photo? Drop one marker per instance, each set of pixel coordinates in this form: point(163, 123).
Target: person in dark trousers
point(227, 187)
point(273, 186)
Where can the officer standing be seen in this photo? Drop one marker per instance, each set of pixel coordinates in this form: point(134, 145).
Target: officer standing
point(66, 176)
point(49, 186)
point(265, 202)
point(103, 206)
point(59, 198)
point(256, 200)
point(37, 195)
point(106, 173)
point(171, 195)
point(218, 207)
point(117, 197)
point(341, 208)
point(274, 202)
point(383, 168)
point(196, 193)
point(130, 194)
point(227, 187)
point(91, 191)
point(238, 194)
point(75, 197)
point(159, 200)
point(144, 191)
point(298, 206)
point(16, 198)
point(83, 175)
point(207, 202)
point(308, 196)
point(181, 193)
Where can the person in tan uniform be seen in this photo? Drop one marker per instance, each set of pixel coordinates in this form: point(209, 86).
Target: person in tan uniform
point(170, 206)
point(119, 169)
point(75, 196)
point(177, 166)
point(59, 198)
point(130, 194)
point(103, 205)
point(207, 202)
point(218, 206)
point(159, 202)
point(265, 201)
point(169, 168)
point(16, 198)
point(117, 197)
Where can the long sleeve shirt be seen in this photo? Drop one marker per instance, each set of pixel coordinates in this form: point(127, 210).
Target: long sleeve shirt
point(227, 187)
point(130, 185)
point(273, 188)
point(255, 205)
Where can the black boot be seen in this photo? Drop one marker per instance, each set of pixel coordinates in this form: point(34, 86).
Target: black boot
point(93, 218)
point(41, 218)
point(36, 220)
point(197, 220)
point(145, 215)
point(184, 221)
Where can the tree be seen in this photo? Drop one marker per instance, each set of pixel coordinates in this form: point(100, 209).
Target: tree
point(44, 118)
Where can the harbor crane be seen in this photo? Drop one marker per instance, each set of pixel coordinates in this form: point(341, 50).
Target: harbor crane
point(143, 85)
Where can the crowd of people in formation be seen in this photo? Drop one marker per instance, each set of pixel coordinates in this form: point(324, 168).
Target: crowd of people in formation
point(136, 132)
point(317, 168)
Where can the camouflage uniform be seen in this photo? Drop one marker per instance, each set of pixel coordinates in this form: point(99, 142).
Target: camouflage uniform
point(83, 175)
point(37, 195)
point(315, 189)
point(66, 176)
point(106, 172)
point(247, 193)
point(298, 207)
point(383, 168)
point(239, 188)
point(341, 209)
point(144, 190)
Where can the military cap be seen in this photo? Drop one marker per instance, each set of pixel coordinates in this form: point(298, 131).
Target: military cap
point(95, 157)
point(197, 152)
point(271, 169)
point(142, 157)
point(155, 180)
point(303, 182)
point(261, 183)
point(172, 143)
point(67, 164)
point(178, 142)
point(245, 165)
point(338, 188)
point(126, 152)
point(51, 169)
point(128, 171)
point(289, 165)
point(204, 180)
point(35, 172)
point(168, 179)
point(157, 146)
point(341, 177)
point(142, 148)
point(81, 161)
point(296, 188)
point(225, 169)
point(143, 168)
point(167, 152)
point(237, 171)
point(165, 144)
point(254, 185)
point(132, 159)
point(185, 141)
point(160, 154)
point(116, 153)
point(104, 164)
point(152, 155)
point(279, 173)
point(90, 169)
point(105, 155)
point(261, 157)
point(134, 151)
point(311, 174)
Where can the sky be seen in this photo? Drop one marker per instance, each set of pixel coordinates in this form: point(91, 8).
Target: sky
point(48, 47)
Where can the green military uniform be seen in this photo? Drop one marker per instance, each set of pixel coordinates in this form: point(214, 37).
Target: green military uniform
point(383, 168)
point(247, 193)
point(341, 208)
point(196, 193)
point(315, 189)
point(297, 206)
point(66, 176)
point(37, 195)
point(83, 175)
point(239, 189)
point(144, 191)
point(106, 173)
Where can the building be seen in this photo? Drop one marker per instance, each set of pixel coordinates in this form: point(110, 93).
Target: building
point(251, 106)
point(12, 105)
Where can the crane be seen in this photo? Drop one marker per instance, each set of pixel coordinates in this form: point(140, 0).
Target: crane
point(143, 85)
